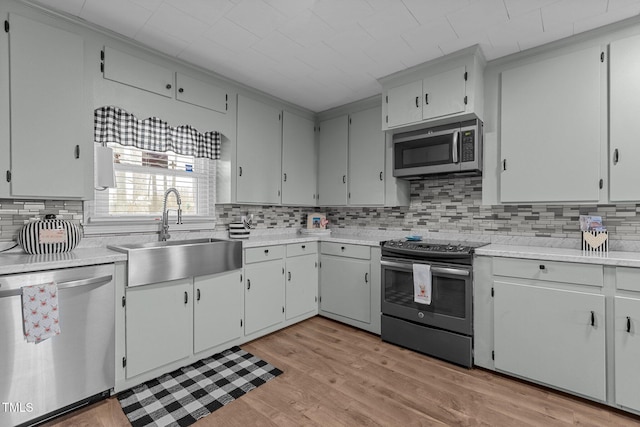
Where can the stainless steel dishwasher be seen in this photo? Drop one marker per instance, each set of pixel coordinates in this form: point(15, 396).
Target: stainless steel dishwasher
point(41, 380)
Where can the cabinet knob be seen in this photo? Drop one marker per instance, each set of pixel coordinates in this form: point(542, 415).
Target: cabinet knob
point(266, 251)
point(542, 267)
point(181, 90)
point(168, 86)
point(304, 246)
point(342, 248)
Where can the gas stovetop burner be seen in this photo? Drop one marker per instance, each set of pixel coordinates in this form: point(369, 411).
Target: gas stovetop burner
point(432, 248)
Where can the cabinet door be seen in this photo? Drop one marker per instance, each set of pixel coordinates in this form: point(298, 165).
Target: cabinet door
point(202, 94)
point(50, 151)
point(443, 94)
point(259, 154)
point(546, 335)
point(624, 104)
point(159, 325)
point(217, 309)
point(301, 285)
point(627, 351)
point(345, 288)
point(332, 162)
point(133, 71)
point(366, 158)
point(550, 129)
point(404, 104)
point(299, 161)
point(264, 295)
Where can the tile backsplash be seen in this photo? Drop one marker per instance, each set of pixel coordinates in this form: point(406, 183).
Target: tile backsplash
point(14, 213)
point(452, 205)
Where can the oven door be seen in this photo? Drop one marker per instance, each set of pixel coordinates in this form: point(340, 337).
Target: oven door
point(451, 295)
point(427, 153)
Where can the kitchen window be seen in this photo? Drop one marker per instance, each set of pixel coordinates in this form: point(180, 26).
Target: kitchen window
point(142, 177)
point(149, 157)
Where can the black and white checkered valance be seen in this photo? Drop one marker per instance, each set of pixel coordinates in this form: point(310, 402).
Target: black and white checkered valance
point(113, 124)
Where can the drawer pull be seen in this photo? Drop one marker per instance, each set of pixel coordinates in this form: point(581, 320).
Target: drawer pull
point(342, 248)
point(593, 318)
point(542, 267)
point(266, 251)
point(248, 284)
point(628, 324)
point(289, 274)
point(366, 277)
point(304, 246)
point(186, 297)
point(198, 295)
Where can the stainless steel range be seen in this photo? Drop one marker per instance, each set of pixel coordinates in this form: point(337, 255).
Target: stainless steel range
point(443, 327)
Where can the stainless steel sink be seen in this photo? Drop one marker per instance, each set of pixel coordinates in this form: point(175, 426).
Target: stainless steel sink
point(156, 262)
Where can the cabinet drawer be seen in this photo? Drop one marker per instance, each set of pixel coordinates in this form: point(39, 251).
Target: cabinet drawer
point(297, 249)
point(265, 253)
point(628, 278)
point(347, 250)
point(566, 272)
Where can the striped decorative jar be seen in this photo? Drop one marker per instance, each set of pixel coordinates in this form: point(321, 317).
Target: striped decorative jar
point(49, 236)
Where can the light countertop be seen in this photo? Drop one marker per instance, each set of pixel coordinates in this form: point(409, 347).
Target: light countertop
point(613, 258)
point(20, 262)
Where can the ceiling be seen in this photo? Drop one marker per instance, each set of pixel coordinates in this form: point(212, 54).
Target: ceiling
point(320, 54)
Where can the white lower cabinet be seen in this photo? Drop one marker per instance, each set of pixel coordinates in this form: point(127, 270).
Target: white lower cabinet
point(159, 325)
point(345, 281)
point(302, 280)
point(553, 336)
point(217, 309)
point(627, 351)
point(264, 294)
point(172, 321)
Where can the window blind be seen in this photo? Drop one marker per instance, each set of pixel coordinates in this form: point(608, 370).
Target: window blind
point(142, 177)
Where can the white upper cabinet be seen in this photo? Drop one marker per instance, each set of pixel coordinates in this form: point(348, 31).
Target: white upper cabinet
point(133, 71)
point(366, 158)
point(624, 102)
point(51, 155)
point(444, 93)
point(550, 134)
point(200, 93)
point(299, 161)
point(332, 161)
point(404, 104)
point(439, 90)
point(259, 155)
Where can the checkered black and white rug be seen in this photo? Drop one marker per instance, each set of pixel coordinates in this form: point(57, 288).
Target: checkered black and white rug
point(183, 396)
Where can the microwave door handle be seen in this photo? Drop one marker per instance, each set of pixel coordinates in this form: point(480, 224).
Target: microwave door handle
point(454, 148)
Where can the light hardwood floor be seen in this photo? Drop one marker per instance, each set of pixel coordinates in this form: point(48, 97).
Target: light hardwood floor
point(335, 375)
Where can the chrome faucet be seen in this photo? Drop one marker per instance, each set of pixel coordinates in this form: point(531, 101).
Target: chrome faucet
point(164, 232)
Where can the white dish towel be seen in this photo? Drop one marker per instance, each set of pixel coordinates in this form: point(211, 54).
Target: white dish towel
point(422, 283)
point(40, 312)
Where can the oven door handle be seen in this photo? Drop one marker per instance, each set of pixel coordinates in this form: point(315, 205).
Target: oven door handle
point(438, 270)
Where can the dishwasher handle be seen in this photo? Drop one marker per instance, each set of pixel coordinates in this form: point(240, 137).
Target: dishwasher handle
point(97, 281)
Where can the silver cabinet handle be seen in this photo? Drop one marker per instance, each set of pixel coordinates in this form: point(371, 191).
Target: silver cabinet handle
point(240, 170)
point(417, 101)
point(248, 284)
point(366, 277)
point(94, 281)
point(344, 179)
point(289, 273)
point(285, 177)
point(380, 176)
point(186, 297)
point(454, 148)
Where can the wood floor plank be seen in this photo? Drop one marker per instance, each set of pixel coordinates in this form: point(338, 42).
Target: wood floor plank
point(336, 375)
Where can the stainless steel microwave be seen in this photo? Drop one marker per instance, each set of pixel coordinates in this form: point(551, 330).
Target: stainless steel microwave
point(454, 148)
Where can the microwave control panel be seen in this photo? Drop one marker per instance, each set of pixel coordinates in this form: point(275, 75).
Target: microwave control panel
point(468, 151)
